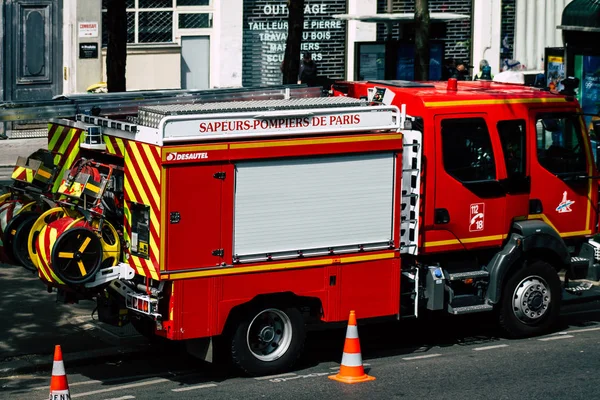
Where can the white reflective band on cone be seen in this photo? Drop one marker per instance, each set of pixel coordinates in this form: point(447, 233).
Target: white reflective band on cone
point(352, 332)
point(351, 359)
point(58, 368)
point(60, 395)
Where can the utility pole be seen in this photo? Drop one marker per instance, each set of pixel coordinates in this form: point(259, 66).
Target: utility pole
point(390, 25)
point(291, 59)
point(422, 40)
point(116, 49)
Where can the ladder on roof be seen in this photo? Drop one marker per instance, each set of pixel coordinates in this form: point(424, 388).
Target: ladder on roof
point(128, 103)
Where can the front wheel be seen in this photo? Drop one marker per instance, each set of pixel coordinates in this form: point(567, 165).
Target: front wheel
point(268, 340)
point(531, 300)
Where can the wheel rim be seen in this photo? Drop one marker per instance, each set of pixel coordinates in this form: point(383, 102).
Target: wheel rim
point(269, 334)
point(76, 255)
point(531, 299)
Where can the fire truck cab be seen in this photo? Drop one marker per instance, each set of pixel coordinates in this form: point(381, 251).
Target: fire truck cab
point(509, 196)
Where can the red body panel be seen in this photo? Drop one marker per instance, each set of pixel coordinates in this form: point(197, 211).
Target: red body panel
point(202, 305)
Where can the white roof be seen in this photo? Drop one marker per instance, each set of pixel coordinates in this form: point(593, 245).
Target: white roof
point(400, 17)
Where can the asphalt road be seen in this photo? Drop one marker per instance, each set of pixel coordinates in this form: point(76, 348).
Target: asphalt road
point(450, 359)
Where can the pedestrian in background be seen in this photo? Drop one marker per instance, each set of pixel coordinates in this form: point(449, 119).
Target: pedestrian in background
point(308, 70)
point(449, 69)
point(462, 72)
point(485, 71)
point(512, 72)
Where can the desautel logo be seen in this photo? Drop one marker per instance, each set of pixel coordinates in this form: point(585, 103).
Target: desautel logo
point(186, 156)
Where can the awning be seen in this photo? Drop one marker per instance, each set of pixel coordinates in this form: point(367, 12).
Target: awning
point(582, 16)
point(400, 17)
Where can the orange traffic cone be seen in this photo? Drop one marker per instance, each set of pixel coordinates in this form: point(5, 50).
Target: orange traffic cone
point(351, 370)
point(59, 387)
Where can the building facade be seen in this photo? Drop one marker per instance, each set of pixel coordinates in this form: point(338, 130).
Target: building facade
point(59, 46)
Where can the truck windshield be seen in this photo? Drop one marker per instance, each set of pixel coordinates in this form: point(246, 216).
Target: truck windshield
point(560, 146)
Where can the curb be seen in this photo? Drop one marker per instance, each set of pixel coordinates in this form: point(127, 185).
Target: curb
point(42, 363)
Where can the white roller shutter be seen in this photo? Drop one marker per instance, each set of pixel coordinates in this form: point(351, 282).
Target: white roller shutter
point(293, 205)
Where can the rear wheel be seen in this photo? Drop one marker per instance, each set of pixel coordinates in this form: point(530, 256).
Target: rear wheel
point(20, 246)
point(268, 340)
point(530, 301)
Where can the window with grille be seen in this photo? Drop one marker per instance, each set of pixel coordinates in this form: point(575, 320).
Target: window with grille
point(155, 21)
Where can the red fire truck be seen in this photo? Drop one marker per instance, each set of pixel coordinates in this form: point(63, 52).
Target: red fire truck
point(250, 220)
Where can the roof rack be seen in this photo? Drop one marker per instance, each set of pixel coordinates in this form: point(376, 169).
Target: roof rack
point(174, 124)
point(128, 103)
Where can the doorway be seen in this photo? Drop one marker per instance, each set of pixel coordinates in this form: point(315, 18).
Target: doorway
point(195, 62)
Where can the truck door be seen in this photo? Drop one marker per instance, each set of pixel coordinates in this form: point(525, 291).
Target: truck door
point(517, 183)
point(470, 200)
point(560, 169)
point(194, 212)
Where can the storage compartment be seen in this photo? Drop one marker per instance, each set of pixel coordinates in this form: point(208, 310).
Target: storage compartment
point(313, 206)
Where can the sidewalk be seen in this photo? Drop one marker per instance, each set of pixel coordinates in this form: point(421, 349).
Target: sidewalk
point(10, 149)
point(33, 323)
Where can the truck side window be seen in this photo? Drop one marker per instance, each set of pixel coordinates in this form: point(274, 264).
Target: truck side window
point(512, 136)
point(467, 150)
point(560, 147)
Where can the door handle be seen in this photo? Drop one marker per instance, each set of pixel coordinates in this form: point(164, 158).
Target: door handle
point(442, 216)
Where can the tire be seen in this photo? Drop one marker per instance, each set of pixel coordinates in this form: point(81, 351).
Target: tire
point(143, 326)
point(11, 231)
point(531, 298)
point(268, 340)
point(19, 243)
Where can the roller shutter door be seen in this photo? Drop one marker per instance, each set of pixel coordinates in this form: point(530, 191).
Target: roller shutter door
point(291, 205)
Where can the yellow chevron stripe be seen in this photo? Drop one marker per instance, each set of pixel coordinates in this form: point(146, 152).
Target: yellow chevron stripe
point(17, 172)
point(121, 145)
point(154, 225)
point(152, 161)
point(153, 274)
point(109, 145)
point(70, 158)
point(153, 244)
point(29, 174)
point(141, 188)
point(42, 255)
point(53, 234)
point(138, 265)
point(145, 199)
point(65, 143)
point(56, 136)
